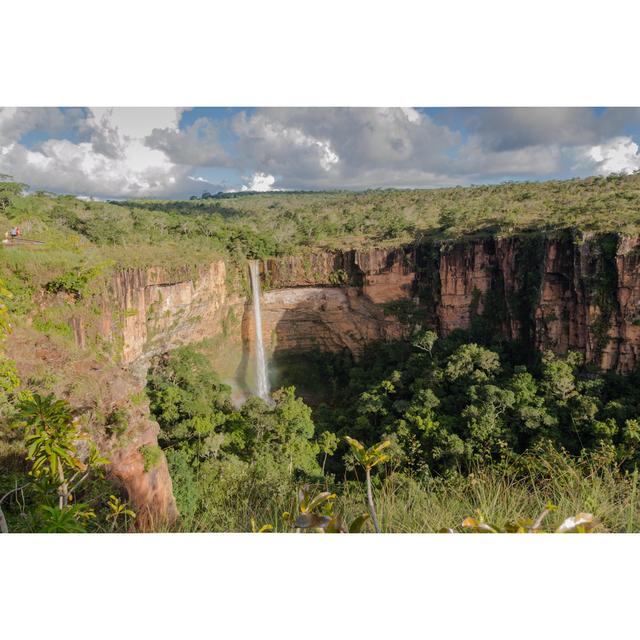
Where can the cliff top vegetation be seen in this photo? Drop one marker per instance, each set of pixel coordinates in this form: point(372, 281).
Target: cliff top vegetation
point(87, 237)
point(344, 219)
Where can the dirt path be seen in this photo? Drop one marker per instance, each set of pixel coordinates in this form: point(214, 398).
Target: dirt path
point(19, 241)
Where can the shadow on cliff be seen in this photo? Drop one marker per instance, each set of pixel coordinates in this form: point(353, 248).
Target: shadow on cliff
point(307, 349)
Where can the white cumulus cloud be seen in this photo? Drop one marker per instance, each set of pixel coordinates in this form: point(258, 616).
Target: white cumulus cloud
point(113, 160)
point(619, 155)
point(260, 182)
point(142, 152)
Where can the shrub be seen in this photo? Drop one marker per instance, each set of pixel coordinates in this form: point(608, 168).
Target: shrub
point(73, 282)
point(151, 455)
point(116, 422)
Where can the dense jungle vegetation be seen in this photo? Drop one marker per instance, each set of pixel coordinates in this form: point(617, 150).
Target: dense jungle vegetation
point(462, 433)
point(470, 430)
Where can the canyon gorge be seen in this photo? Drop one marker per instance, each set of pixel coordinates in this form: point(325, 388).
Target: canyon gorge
point(557, 291)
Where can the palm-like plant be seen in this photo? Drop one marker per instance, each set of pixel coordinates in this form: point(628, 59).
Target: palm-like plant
point(315, 513)
point(368, 459)
point(51, 439)
point(118, 510)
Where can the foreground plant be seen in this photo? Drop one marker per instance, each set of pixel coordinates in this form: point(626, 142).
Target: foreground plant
point(58, 467)
point(265, 528)
point(368, 459)
point(316, 513)
point(52, 437)
point(119, 510)
point(580, 523)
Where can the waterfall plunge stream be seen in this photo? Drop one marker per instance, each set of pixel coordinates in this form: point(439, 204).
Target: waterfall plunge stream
point(262, 381)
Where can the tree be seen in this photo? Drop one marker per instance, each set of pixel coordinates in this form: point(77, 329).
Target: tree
point(529, 412)
point(485, 418)
point(9, 190)
point(559, 381)
point(474, 362)
point(52, 438)
point(368, 459)
point(425, 341)
point(328, 443)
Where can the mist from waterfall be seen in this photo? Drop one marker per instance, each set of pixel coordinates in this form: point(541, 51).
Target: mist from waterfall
point(262, 381)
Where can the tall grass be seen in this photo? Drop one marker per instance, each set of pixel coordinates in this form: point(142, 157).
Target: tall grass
point(504, 494)
point(499, 493)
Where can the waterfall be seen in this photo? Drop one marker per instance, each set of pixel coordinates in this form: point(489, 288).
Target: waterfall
point(261, 362)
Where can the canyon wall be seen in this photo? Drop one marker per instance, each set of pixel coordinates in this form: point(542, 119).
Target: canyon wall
point(555, 292)
point(157, 310)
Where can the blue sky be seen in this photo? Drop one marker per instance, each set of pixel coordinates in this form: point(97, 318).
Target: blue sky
point(178, 152)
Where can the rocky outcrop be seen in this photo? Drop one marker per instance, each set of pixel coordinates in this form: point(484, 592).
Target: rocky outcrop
point(150, 491)
point(95, 389)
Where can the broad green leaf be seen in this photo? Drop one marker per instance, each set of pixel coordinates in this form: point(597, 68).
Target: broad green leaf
point(358, 524)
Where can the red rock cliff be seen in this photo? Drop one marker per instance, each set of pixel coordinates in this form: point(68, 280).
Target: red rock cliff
point(557, 292)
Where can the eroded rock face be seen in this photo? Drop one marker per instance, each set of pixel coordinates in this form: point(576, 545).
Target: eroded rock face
point(325, 318)
point(384, 275)
point(628, 271)
point(387, 276)
point(151, 491)
point(160, 311)
point(466, 273)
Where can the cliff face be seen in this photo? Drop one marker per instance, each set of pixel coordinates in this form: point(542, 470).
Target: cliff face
point(553, 292)
point(329, 319)
point(158, 311)
point(346, 307)
point(466, 275)
point(628, 297)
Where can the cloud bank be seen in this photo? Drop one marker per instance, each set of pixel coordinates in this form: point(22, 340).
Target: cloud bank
point(173, 152)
